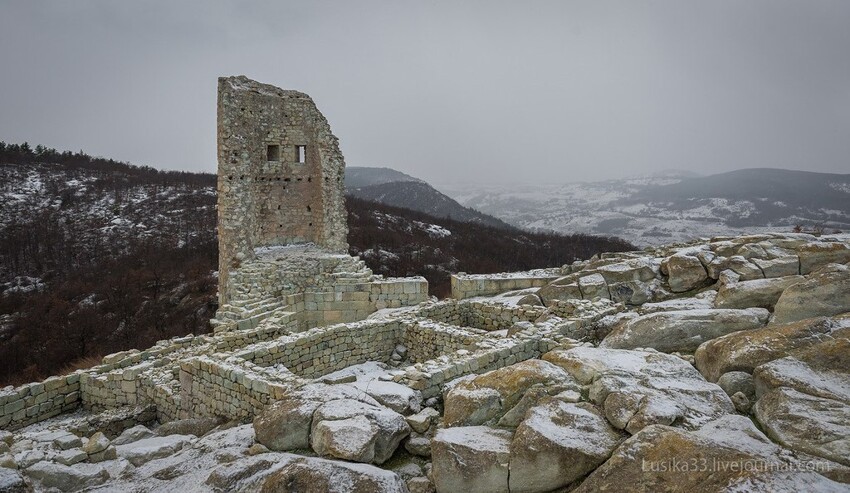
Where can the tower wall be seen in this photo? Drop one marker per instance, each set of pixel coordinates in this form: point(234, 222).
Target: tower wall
point(280, 174)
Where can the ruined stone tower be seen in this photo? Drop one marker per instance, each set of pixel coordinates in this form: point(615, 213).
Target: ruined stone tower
point(280, 174)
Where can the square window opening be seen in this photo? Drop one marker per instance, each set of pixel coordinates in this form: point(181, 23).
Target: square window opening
point(273, 152)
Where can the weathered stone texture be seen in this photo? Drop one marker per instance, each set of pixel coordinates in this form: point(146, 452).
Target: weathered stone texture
point(266, 197)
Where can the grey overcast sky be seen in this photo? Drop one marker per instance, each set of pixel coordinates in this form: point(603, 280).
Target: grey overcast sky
point(494, 91)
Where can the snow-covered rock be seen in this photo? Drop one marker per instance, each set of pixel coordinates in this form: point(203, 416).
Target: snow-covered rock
point(827, 378)
point(805, 423)
point(763, 293)
point(639, 388)
point(684, 272)
point(285, 425)
point(153, 448)
point(78, 477)
point(558, 443)
point(11, 481)
point(385, 432)
point(471, 459)
point(312, 475)
point(485, 398)
point(744, 351)
point(825, 293)
point(682, 330)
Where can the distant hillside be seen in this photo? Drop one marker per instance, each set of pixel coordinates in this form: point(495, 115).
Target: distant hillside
point(673, 206)
point(422, 197)
point(357, 176)
point(776, 195)
point(98, 256)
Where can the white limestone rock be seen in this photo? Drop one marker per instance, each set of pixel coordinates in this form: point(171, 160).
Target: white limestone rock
point(684, 272)
point(96, 443)
point(348, 439)
point(484, 399)
point(728, 454)
point(12, 481)
point(762, 293)
point(133, 434)
point(400, 398)
point(285, 425)
point(825, 378)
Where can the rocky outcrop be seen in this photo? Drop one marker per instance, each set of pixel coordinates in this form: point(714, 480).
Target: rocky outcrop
point(285, 425)
point(471, 459)
point(148, 449)
point(684, 272)
point(805, 423)
point(639, 388)
point(558, 443)
point(352, 430)
point(729, 454)
point(311, 475)
point(744, 351)
point(682, 330)
point(825, 293)
point(484, 399)
point(79, 477)
point(763, 293)
point(829, 379)
point(12, 481)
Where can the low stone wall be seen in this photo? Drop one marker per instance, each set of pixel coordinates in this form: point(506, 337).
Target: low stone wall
point(472, 285)
point(324, 350)
point(219, 388)
point(396, 292)
point(428, 339)
point(480, 315)
point(430, 377)
point(38, 401)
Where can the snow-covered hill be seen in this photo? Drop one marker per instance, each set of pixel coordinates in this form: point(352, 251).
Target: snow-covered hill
point(669, 207)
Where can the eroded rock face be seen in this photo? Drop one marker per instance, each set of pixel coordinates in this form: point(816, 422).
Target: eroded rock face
point(312, 475)
point(821, 379)
point(805, 423)
point(682, 330)
point(817, 254)
point(486, 398)
point(744, 351)
point(824, 294)
point(558, 443)
point(636, 388)
point(471, 459)
point(723, 456)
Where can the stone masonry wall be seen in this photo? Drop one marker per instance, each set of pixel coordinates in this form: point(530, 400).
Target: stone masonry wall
point(472, 285)
point(267, 196)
